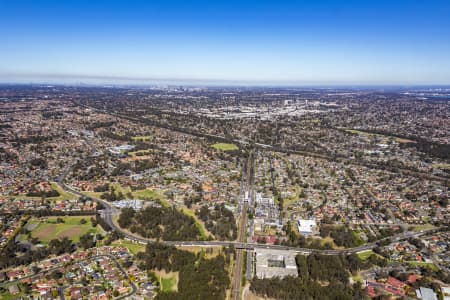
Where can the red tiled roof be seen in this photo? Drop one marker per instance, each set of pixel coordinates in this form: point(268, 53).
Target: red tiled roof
point(413, 278)
point(371, 292)
point(395, 291)
point(396, 283)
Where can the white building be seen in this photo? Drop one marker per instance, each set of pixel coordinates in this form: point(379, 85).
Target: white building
point(134, 204)
point(275, 263)
point(260, 199)
point(306, 227)
point(446, 292)
point(120, 149)
point(426, 294)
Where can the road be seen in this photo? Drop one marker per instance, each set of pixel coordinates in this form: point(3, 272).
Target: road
point(342, 159)
point(237, 275)
point(109, 211)
point(245, 199)
point(59, 266)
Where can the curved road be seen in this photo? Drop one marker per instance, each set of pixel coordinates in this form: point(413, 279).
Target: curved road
point(274, 148)
point(109, 211)
point(59, 266)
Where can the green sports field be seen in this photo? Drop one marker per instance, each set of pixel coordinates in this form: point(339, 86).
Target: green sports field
point(225, 147)
point(48, 229)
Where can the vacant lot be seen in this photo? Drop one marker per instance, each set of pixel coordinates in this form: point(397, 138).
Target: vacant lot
point(365, 254)
point(48, 228)
point(207, 253)
point(149, 194)
point(63, 195)
point(168, 281)
point(424, 264)
point(225, 147)
point(142, 138)
point(135, 248)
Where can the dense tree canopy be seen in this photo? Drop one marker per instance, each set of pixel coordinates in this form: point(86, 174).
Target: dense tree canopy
point(320, 277)
point(165, 223)
point(219, 221)
point(199, 278)
point(341, 235)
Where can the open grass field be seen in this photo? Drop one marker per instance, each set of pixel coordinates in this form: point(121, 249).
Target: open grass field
point(142, 138)
point(431, 266)
point(365, 254)
point(198, 223)
point(225, 147)
point(134, 248)
point(149, 194)
point(207, 252)
point(48, 229)
point(168, 281)
point(397, 139)
point(418, 228)
point(168, 284)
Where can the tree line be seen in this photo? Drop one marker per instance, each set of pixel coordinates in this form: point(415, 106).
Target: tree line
point(219, 221)
point(199, 278)
point(165, 223)
point(319, 277)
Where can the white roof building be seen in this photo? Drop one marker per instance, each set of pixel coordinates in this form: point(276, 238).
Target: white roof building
point(135, 204)
point(446, 292)
point(275, 263)
point(426, 294)
point(120, 149)
point(306, 227)
point(260, 199)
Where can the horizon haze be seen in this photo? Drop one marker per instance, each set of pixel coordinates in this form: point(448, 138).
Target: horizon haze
point(298, 43)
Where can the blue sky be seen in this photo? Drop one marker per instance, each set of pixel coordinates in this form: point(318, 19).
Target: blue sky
point(285, 42)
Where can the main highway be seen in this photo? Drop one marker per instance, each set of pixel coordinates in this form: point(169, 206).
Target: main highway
point(246, 197)
point(267, 147)
point(110, 211)
point(240, 245)
point(246, 194)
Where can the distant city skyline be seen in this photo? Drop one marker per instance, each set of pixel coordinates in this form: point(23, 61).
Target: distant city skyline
point(226, 42)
